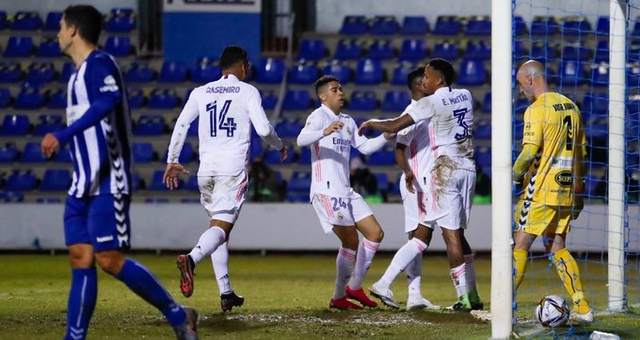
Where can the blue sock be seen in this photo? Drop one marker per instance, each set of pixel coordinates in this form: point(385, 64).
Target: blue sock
point(140, 280)
point(82, 301)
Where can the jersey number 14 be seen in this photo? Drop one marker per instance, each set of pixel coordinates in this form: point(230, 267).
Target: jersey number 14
point(219, 120)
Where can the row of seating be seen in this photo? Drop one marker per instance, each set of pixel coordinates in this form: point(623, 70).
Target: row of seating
point(118, 20)
point(23, 46)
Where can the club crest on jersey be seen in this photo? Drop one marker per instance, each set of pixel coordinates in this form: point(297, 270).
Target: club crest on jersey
point(110, 84)
point(348, 130)
point(340, 215)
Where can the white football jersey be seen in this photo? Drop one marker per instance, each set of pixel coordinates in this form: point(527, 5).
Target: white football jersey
point(330, 154)
point(226, 109)
point(450, 115)
point(418, 151)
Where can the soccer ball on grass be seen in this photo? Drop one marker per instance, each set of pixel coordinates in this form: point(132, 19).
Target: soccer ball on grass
point(552, 311)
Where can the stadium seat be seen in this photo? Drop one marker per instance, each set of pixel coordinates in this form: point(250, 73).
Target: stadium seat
point(30, 98)
point(382, 179)
point(348, 49)
point(165, 99)
point(312, 50)
point(10, 72)
point(136, 98)
point(6, 99)
point(369, 72)
point(67, 70)
point(636, 29)
point(173, 72)
point(304, 159)
point(339, 70)
point(52, 22)
point(414, 25)
point(382, 158)
point(400, 73)
point(256, 148)
point(483, 157)
point(149, 125)
point(49, 48)
point(602, 52)
point(270, 71)
point(15, 125)
point(602, 26)
point(156, 181)
point(521, 104)
point(472, 72)
point(595, 106)
point(8, 153)
point(542, 51)
point(118, 46)
point(303, 73)
point(26, 21)
point(21, 180)
point(482, 130)
point(299, 186)
point(122, 22)
point(269, 99)
point(206, 71)
point(479, 26)
point(576, 26)
point(447, 25)
point(518, 128)
point(395, 101)
point(571, 73)
point(55, 180)
point(193, 128)
point(272, 157)
point(296, 100)
point(63, 156)
point(3, 20)
point(412, 50)
point(362, 101)
point(446, 49)
point(383, 25)
point(478, 50)
point(544, 26)
point(32, 153)
point(486, 103)
point(600, 75)
point(381, 50)
point(577, 53)
point(140, 73)
point(39, 72)
point(11, 196)
point(288, 127)
point(187, 154)
point(18, 47)
point(48, 123)
point(519, 26)
point(354, 24)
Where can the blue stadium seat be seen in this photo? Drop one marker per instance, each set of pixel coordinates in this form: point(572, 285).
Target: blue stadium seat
point(519, 26)
point(304, 159)
point(369, 72)
point(173, 72)
point(486, 103)
point(348, 49)
point(602, 26)
point(412, 50)
point(479, 26)
point(542, 51)
point(339, 70)
point(272, 157)
point(121, 22)
point(576, 26)
point(381, 50)
point(140, 73)
point(118, 46)
point(21, 180)
point(414, 25)
point(30, 98)
point(544, 26)
point(67, 70)
point(8, 153)
point(63, 156)
point(206, 71)
point(17, 47)
point(382, 158)
point(163, 99)
point(256, 148)
point(48, 123)
point(270, 71)
point(193, 128)
point(10, 72)
point(55, 180)
point(362, 101)
point(49, 48)
point(472, 72)
point(312, 49)
point(478, 50)
point(11, 196)
point(447, 25)
point(192, 184)
point(595, 106)
point(288, 127)
point(5, 97)
point(156, 181)
point(15, 125)
point(576, 53)
point(395, 101)
point(269, 99)
point(521, 104)
point(383, 182)
point(483, 157)
point(299, 186)
point(187, 154)
point(518, 128)
point(449, 50)
point(482, 130)
point(3, 20)
point(636, 29)
point(32, 153)
point(149, 125)
point(400, 73)
point(571, 73)
point(303, 73)
point(296, 100)
point(136, 98)
point(52, 22)
point(41, 72)
point(600, 75)
point(520, 49)
point(383, 25)
point(354, 24)
point(26, 21)
point(602, 52)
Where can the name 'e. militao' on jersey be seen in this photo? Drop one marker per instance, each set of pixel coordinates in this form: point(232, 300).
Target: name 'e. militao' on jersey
point(101, 152)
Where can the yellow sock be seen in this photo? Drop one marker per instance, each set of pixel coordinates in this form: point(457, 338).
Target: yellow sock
point(570, 275)
point(520, 262)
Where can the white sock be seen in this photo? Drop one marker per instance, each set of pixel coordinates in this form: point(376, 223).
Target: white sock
point(366, 251)
point(471, 271)
point(207, 244)
point(344, 267)
point(403, 257)
point(458, 276)
point(414, 277)
point(220, 262)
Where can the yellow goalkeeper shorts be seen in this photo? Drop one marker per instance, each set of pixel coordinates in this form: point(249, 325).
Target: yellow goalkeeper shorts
point(539, 219)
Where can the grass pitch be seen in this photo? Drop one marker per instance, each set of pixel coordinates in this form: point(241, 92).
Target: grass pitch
point(287, 297)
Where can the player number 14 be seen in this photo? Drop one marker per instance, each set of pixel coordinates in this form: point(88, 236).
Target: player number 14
point(219, 120)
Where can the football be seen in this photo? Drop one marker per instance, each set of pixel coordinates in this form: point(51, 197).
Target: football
point(552, 311)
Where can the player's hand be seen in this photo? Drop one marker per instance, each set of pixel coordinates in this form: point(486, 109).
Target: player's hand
point(368, 125)
point(170, 177)
point(49, 145)
point(283, 154)
point(333, 127)
point(389, 135)
point(409, 177)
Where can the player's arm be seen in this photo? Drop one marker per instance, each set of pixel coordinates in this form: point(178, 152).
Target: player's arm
point(533, 125)
point(188, 114)
point(387, 125)
point(403, 163)
point(368, 146)
point(262, 125)
point(314, 130)
point(523, 162)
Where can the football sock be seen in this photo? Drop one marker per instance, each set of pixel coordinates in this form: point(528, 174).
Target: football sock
point(414, 277)
point(459, 278)
point(403, 257)
point(207, 244)
point(569, 273)
point(469, 260)
point(145, 285)
point(520, 263)
point(344, 267)
point(366, 251)
point(82, 301)
point(220, 262)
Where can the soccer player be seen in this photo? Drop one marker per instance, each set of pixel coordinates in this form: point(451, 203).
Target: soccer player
point(550, 168)
point(413, 154)
point(450, 115)
point(96, 217)
point(341, 210)
point(227, 108)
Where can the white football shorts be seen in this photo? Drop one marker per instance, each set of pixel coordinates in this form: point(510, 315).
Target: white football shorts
point(340, 211)
point(414, 205)
point(450, 199)
point(222, 196)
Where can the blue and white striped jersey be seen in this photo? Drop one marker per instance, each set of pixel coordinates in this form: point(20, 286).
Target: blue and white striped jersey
point(98, 128)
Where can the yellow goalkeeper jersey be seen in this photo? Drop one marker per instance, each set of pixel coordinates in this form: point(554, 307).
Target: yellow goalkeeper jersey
point(553, 123)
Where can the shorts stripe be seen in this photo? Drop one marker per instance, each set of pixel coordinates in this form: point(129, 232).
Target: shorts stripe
point(242, 189)
point(318, 164)
point(327, 206)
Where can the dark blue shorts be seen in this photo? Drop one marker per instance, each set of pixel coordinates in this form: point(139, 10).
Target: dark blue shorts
point(102, 221)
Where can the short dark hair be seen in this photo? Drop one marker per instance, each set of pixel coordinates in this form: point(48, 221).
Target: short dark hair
point(323, 81)
point(87, 19)
point(416, 73)
point(231, 55)
point(444, 67)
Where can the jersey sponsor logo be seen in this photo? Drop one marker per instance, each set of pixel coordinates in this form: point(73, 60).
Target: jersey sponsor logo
point(104, 239)
point(564, 179)
point(562, 163)
point(110, 84)
point(342, 145)
point(223, 89)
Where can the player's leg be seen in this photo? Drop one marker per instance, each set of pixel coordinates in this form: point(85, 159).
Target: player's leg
point(530, 223)
point(345, 261)
point(455, 256)
point(469, 260)
point(220, 262)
